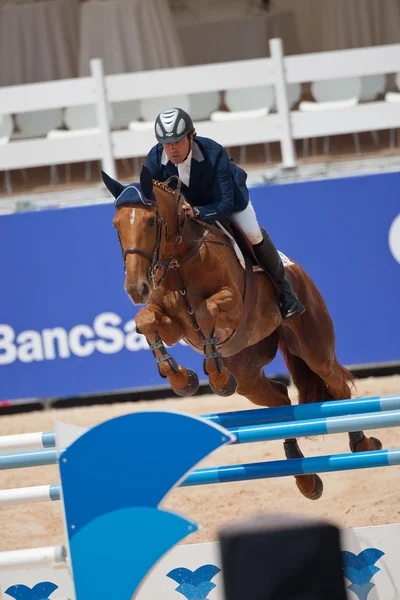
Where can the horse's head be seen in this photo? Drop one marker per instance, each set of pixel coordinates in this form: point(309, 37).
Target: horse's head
point(147, 220)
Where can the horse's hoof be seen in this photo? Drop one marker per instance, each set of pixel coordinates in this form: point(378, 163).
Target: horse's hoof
point(229, 388)
point(367, 444)
point(377, 443)
point(192, 386)
point(317, 491)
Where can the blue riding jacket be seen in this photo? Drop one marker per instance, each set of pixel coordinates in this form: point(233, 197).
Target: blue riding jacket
point(217, 186)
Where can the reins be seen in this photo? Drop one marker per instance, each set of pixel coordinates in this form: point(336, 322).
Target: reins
point(173, 262)
point(163, 265)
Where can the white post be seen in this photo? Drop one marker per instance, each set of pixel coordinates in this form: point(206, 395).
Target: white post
point(282, 104)
point(102, 111)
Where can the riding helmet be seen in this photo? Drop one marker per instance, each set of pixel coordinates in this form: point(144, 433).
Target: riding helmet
point(172, 125)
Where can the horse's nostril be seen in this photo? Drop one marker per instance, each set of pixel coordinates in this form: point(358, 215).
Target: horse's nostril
point(144, 290)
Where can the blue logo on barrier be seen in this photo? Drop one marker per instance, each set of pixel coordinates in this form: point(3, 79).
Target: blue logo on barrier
point(360, 569)
point(40, 591)
point(195, 585)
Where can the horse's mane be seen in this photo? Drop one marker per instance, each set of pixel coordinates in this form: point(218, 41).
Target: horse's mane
point(175, 194)
point(163, 186)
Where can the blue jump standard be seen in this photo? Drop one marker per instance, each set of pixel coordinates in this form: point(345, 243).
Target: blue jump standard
point(244, 435)
point(283, 414)
point(283, 468)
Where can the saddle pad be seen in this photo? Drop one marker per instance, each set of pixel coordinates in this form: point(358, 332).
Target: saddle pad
point(236, 248)
point(285, 260)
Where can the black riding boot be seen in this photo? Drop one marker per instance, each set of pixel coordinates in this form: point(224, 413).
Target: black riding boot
point(269, 259)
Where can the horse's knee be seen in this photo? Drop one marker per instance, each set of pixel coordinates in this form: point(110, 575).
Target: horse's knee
point(146, 319)
point(149, 322)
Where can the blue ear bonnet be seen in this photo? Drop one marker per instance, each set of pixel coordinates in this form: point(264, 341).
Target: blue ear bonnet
point(133, 194)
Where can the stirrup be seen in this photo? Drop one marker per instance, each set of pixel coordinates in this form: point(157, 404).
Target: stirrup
point(299, 311)
point(298, 308)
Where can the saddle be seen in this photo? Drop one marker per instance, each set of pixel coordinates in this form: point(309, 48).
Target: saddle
point(240, 242)
point(246, 257)
point(243, 247)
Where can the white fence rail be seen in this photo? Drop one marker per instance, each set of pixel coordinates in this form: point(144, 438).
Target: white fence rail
point(283, 126)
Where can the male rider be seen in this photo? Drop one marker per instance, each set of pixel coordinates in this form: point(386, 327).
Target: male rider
point(215, 189)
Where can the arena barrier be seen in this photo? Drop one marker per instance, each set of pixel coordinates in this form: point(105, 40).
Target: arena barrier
point(35, 566)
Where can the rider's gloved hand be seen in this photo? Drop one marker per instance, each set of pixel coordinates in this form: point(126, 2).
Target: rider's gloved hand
point(189, 210)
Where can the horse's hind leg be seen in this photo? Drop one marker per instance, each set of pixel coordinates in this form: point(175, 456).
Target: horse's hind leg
point(319, 385)
point(308, 345)
point(247, 367)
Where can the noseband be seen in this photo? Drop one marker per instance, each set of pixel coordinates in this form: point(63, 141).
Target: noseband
point(157, 263)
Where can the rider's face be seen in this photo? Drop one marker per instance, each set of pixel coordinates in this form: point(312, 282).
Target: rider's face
point(178, 151)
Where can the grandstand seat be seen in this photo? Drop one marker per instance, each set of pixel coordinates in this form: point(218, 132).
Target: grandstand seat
point(124, 113)
point(203, 104)
point(247, 103)
point(372, 86)
point(333, 94)
point(80, 120)
point(37, 123)
point(251, 103)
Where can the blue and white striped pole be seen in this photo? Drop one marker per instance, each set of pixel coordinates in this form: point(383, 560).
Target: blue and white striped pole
point(245, 435)
point(302, 412)
point(241, 472)
point(294, 466)
point(38, 493)
point(280, 414)
point(22, 441)
point(314, 427)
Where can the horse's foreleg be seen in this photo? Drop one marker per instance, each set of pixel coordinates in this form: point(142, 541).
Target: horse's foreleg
point(158, 329)
point(222, 310)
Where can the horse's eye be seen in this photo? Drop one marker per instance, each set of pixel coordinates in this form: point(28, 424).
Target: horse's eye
point(151, 222)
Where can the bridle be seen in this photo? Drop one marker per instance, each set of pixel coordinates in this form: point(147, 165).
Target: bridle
point(159, 266)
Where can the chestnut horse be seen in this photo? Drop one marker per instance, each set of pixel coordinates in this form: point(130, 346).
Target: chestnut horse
point(194, 288)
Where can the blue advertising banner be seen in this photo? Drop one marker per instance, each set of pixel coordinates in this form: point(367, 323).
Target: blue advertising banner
point(67, 327)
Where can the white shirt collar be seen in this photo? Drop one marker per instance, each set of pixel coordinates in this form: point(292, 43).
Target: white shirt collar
point(184, 169)
point(188, 159)
point(197, 154)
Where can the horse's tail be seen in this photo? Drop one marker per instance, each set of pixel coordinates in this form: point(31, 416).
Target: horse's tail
point(311, 387)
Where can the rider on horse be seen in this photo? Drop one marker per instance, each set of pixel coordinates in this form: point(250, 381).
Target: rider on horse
point(215, 189)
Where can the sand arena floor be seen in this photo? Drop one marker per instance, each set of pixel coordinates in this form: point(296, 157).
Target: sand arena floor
point(351, 499)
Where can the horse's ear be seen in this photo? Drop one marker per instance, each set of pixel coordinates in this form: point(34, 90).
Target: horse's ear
point(146, 182)
point(113, 186)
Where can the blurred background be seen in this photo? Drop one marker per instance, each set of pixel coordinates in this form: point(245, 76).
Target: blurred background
point(52, 40)
point(303, 94)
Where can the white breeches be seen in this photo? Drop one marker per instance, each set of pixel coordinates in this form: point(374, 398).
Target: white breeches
point(247, 221)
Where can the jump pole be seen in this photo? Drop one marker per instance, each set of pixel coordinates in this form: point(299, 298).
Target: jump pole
point(280, 414)
point(244, 435)
point(240, 472)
